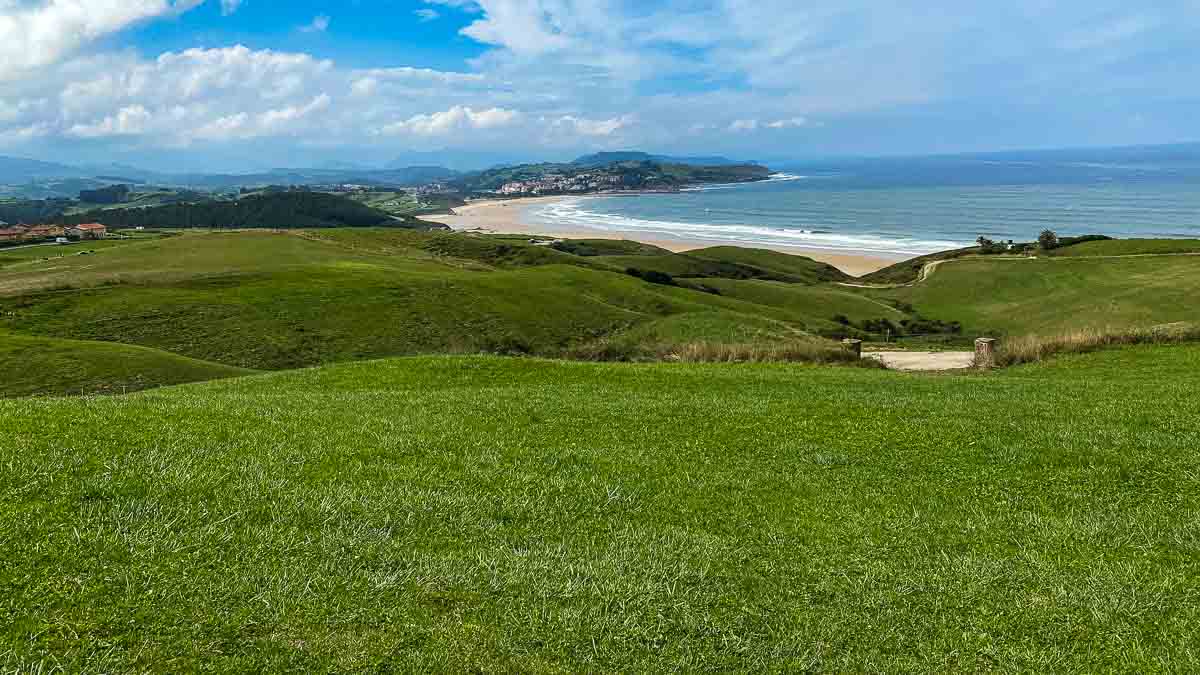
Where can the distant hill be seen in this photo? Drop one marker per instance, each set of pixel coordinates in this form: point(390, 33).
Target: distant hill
point(605, 158)
point(20, 170)
point(618, 175)
point(457, 160)
point(276, 210)
point(401, 177)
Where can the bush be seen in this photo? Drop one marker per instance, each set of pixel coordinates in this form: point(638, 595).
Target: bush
point(1048, 240)
point(652, 276)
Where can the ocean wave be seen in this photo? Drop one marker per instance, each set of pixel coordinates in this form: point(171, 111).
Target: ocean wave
point(573, 213)
point(773, 178)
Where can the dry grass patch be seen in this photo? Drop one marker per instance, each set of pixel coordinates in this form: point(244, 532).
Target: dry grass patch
point(795, 351)
point(1034, 348)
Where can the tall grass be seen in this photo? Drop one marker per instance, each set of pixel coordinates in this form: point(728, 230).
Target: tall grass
point(795, 351)
point(1034, 349)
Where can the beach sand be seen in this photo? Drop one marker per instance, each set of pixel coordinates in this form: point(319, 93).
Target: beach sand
point(506, 217)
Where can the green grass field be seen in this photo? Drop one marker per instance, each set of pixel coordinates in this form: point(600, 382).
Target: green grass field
point(454, 511)
point(1050, 295)
point(1130, 247)
point(481, 513)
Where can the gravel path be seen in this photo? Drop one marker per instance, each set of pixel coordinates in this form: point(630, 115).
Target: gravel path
point(924, 360)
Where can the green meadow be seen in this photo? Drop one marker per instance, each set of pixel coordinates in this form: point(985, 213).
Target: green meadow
point(384, 449)
point(485, 513)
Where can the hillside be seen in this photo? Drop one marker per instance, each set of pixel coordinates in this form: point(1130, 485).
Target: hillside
point(476, 513)
point(296, 298)
point(277, 300)
point(55, 367)
point(291, 209)
point(1017, 296)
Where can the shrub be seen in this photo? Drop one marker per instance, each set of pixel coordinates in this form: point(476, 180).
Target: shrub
point(651, 276)
point(1048, 240)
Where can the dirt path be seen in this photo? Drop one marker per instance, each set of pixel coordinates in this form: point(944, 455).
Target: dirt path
point(924, 360)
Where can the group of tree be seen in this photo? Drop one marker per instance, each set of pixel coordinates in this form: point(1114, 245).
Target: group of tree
point(113, 194)
point(282, 210)
point(1048, 240)
point(33, 211)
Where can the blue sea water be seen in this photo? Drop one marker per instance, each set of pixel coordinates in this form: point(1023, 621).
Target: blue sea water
point(903, 207)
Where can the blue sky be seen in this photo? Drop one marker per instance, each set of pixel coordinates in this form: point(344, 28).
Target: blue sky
point(227, 84)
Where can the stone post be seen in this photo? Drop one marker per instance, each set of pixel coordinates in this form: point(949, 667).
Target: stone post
point(854, 346)
point(985, 353)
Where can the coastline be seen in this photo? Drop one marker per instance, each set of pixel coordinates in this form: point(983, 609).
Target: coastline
point(507, 216)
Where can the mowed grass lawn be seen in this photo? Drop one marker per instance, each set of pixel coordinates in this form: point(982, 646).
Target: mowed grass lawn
point(458, 513)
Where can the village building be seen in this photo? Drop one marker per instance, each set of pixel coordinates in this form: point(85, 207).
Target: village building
point(11, 234)
point(45, 231)
point(87, 231)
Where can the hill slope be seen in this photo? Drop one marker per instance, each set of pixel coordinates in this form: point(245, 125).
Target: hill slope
point(274, 300)
point(274, 210)
point(456, 514)
point(50, 366)
point(1051, 295)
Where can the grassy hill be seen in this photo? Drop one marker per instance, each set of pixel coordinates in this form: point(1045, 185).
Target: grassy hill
point(479, 513)
point(51, 366)
point(1049, 295)
point(1120, 247)
point(277, 300)
point(291, 209)
point(271, 300)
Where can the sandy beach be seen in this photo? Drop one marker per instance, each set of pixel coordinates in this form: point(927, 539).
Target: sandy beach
point(507, 217)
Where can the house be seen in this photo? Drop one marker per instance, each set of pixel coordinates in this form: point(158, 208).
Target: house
point(38, 232)
point(87, 231)
point(11, 234)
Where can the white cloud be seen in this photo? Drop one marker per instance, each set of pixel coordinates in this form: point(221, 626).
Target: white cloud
point(426, 15)
point(458, 118)
point(41, 34)
point(587, 127)
point(568, 73)
point(789, 123)
point(230, 6)
point(128, 121)
point(319, 24)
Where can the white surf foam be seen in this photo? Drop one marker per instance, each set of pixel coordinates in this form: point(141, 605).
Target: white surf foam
point(578, 213)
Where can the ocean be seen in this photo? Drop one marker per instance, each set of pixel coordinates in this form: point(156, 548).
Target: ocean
point(911, 206)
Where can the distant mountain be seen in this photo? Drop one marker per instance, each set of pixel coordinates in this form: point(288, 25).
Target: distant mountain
point(458, 160)
point(410, 176)
point(124, 172)
point(20, 170)
point(605, 158)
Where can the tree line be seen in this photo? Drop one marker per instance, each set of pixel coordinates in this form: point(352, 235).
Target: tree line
point(284, 210)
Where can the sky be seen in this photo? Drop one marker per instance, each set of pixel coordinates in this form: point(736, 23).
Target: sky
point(251, 84)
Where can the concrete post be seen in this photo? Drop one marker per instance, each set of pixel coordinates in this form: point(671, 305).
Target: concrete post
point(985, 353)
point(854, 346)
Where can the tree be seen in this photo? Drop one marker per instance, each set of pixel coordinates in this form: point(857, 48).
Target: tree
point(1048, 240)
